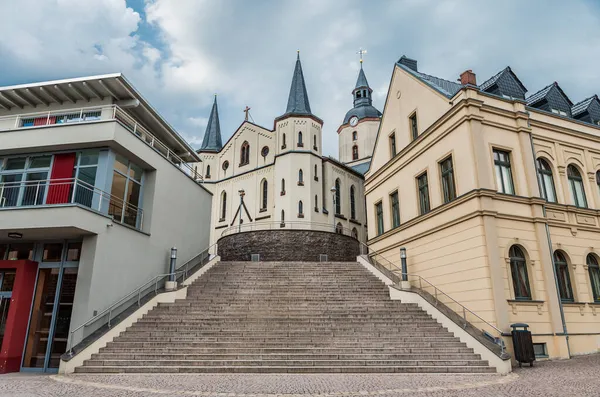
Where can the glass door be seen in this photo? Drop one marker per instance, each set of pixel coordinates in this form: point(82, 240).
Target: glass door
point(52, 306)
point(7, 280)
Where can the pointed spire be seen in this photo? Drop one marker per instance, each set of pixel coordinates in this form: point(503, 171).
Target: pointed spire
point(361, 82)
point(362, 91)
point(298, 98)
point(212, 136)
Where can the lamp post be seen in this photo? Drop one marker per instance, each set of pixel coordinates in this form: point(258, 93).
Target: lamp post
point(405, 284)
point(242, 193)
point(333, 191)
point(171, 284)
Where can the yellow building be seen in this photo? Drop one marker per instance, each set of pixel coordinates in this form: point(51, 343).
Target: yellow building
point(496, 197)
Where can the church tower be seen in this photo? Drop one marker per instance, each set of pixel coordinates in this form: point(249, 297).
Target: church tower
point(357, 134)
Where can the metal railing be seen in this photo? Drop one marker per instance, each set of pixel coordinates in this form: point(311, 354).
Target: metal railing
point(148, 289)
point(293, 225)
point(439, 297)
point(100, 113)
point(52, 192)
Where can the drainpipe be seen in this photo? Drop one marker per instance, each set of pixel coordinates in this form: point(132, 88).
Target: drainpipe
point(560, 304)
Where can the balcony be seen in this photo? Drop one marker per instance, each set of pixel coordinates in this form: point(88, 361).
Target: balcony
point(90, 115)
point(61, 192)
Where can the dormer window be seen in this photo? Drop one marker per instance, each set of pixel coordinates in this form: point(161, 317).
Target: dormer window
point(560, 112)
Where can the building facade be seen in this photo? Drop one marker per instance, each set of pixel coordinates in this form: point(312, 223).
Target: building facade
point(496, 197)
point(285, 179)
point(88, 212)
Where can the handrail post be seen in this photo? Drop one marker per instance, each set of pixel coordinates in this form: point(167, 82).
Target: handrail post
point(465, 316)
point(139, 293)
point(109, 316)
point(436, 298)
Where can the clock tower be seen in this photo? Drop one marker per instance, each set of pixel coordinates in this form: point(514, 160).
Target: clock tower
point(357, 134)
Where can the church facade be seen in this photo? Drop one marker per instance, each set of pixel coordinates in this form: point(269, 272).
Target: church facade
point(266, 178)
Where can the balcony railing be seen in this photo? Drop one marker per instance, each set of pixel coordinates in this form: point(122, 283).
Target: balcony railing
point(55, 192)
point(94, 114)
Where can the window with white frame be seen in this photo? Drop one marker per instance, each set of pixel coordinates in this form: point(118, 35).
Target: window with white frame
point(23, 180)
point(503, 172)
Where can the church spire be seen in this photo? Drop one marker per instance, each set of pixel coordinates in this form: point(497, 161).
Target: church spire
point(298, 98)
point(362, 91)
point(212, 136)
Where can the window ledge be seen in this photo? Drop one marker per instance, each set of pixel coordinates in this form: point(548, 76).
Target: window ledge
point(317, 178)
point(525, 302)
point(317, 210)
point(282, 225)
point(300, 215)
point(340, 216)
point(221, 219)
point(300, 183)
point(315, 148)
point(574, 304)
point(300, 145)
point(355, 222)
point(282, 193)
point(283, 147)
point(207, 177)
point(262, 210)
point(595, 303)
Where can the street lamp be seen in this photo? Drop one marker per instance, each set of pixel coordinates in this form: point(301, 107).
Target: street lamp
point(333, 191)
point(404, 267)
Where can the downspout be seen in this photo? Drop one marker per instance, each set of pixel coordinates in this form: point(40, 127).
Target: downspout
point(560, 304)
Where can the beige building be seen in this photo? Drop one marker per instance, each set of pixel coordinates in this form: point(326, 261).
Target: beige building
point(495, 196)
point(286, 182)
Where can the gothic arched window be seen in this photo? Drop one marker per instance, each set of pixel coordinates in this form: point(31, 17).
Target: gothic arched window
point(339, 229)
point(316, 173)
point(354, 152)
point(316, 203)
point(354, 135)
point(300, 143)
point(245, 153)
point(300, 208)
point(338, 197)
point(518, 269)
point(300, 177)
point(265, 191)
point(352, 203)
point(315, 142)
point(355, 233)
point(283, 187)
point(208, 171)
point(282, 218)
point(223, 205)
point(576, 186)
point(594, 270)
point(283, 146)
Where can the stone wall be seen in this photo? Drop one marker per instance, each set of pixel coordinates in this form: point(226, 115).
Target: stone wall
point(288, 245)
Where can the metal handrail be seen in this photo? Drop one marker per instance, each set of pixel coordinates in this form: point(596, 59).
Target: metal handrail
point(106, 112)
point(437, 291)
point(35, 193)
point(294, 225)
point(182, 270)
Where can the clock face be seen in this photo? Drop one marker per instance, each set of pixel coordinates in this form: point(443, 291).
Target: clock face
point(353, 121)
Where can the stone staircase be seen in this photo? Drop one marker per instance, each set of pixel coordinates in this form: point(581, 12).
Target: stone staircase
point(275, 317)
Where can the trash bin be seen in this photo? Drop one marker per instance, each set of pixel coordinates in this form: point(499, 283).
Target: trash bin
point(522, 344)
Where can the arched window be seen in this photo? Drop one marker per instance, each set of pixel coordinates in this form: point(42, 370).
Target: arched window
point(576, 186)
point(355, 233)
point(594, 270)
point(316, 203)
point(265, 191)
point(338, 197)
point(354, 135)
point(283, 146)
point(223, 205)
point(339, 229)
point(564, 279)
point(546, 180)
point(352, 203)
point(282, 217)
point(283, 187)
point(354, 152)
point(300, 177)
point(518, 269)
point(208, 171)
point(315, 142)
point(598, 179)
point(245, 153)
point(300, 143)
point(316, 173)
point(300, 208)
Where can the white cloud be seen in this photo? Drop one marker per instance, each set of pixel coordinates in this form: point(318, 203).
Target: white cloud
point(187, 50)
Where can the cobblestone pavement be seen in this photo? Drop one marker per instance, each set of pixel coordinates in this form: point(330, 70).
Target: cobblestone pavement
point(577, 377)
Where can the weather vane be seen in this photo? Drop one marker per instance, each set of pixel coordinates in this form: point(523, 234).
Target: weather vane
point(361, 52)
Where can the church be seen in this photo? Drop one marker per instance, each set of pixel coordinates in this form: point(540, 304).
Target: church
point(266, 178)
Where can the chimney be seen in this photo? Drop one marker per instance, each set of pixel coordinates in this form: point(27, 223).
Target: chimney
point(409, 63)
point(468, 77)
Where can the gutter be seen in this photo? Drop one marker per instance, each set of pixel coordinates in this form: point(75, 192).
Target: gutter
point(560, 304)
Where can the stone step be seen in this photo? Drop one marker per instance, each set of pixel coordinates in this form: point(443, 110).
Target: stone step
point(294, 350)
point(266, 369)
point(164, 342)
point(286, 363)
point(281, 356)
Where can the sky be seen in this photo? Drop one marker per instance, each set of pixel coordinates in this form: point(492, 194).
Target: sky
point(179, 53)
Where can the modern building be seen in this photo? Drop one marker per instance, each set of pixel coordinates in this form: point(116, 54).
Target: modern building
point(358, 132)
point(94, 191)
point(495, 195)
point(285, 179)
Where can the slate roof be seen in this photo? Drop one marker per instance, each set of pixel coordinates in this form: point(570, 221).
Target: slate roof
point(541, 94)
point(362, 79)
point(361, 168)
point(298, 98)
point(212, 137)
point(582, 106)
point(445, 87)
point(492, 80)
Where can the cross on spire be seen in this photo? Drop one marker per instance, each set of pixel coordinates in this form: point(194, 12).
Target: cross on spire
point(246, 110)
point(361, 52)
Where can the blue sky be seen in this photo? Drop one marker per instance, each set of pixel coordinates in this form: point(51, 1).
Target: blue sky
point(178, 53)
